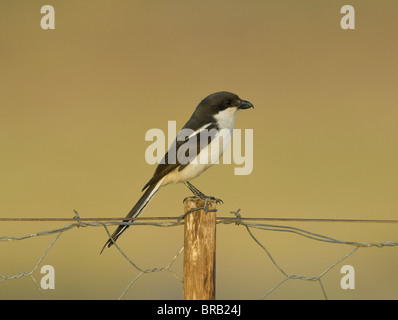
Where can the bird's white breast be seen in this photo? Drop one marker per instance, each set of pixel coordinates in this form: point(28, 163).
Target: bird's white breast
point(226, 118)
point(210, 154)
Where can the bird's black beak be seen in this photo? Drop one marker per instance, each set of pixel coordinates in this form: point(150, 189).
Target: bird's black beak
point(245, 105)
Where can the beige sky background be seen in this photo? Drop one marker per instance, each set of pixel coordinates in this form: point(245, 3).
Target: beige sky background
point(76, 102)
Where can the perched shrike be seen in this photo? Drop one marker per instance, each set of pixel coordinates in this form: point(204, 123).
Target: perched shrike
point(191, 154)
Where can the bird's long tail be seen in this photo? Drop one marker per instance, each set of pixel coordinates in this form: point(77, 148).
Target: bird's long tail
point(134, 213)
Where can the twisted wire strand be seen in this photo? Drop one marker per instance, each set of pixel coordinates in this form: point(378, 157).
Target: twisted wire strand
point(248, 223)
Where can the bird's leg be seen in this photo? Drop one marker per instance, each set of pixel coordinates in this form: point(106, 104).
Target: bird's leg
point(199, 194)
point(194, 190)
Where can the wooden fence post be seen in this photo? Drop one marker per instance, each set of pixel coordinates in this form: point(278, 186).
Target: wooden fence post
point(199, 251)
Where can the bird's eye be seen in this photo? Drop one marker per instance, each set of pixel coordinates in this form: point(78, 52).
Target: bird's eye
point(228, 102)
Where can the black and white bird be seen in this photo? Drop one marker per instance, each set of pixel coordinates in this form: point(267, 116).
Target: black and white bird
point(198, 145)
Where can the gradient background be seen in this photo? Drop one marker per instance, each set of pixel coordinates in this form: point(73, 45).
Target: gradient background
point(75, 103)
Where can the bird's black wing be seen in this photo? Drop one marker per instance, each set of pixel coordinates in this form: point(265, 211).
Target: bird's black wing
point(182, 150)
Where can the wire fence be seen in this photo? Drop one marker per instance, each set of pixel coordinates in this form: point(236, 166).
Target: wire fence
point(236, 219)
